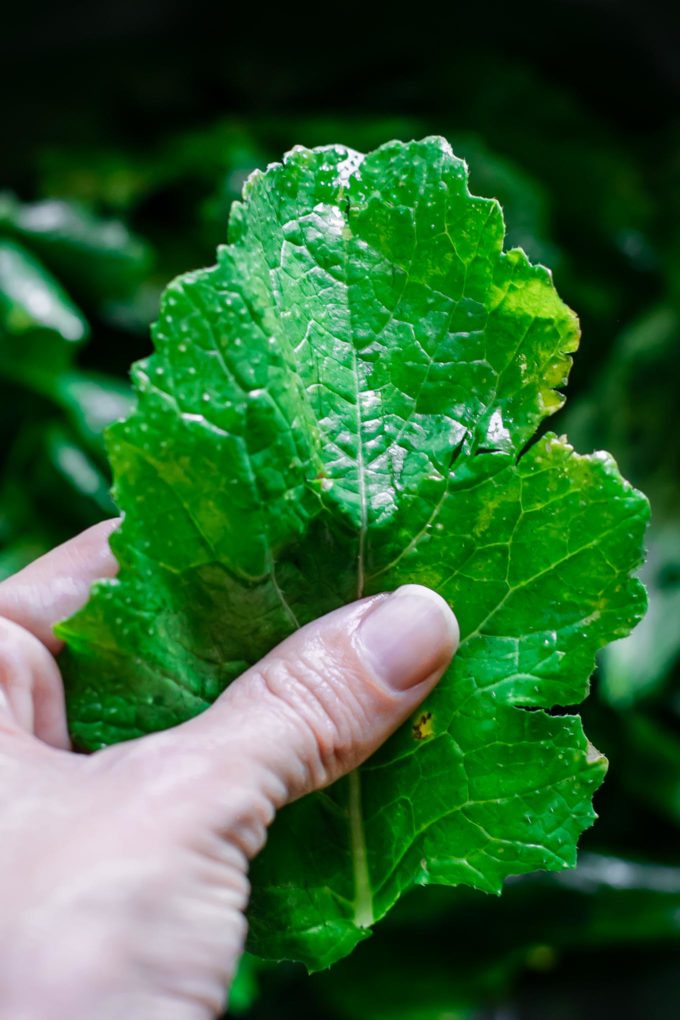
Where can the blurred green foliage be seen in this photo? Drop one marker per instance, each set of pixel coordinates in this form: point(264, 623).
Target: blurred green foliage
point(92, 235)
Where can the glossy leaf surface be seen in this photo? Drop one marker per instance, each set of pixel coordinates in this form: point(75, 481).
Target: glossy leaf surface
point(340, 406)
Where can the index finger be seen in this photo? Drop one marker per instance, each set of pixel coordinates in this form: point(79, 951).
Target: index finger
point(58, 583)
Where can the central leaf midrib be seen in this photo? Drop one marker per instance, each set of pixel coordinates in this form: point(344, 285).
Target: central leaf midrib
point(363, 897)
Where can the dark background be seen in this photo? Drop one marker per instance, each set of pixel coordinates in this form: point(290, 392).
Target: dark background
point(138, 122)
point(128, 73)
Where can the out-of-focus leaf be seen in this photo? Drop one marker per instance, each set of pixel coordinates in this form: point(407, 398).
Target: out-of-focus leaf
point(135, 312)
point(244, 989)
point(93, 401)
point(630, 404)
point(114, 179)
point(100, 260)
point(524, 200)
point(405, 979)
point(36, 510)
point(650, 768)
point(628, 409)
point(83, 477)
point(225, 147)
point(40, 327)
point(17, 554)
point(52, 484)
point(557, 140)
point(639, 664)
point(455, 950)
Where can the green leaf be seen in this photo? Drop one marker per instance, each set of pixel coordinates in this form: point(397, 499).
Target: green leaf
point(464, 948)
point(92, 401)
point(40, 327)
point(649, 771)
point(99, 259)
point(631, 401)
point(641, 665)
point(79, 475)
point(340, 406)
point(47, 459)
point(15, 556)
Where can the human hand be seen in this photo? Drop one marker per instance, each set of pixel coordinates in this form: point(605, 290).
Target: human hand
point(123, 874)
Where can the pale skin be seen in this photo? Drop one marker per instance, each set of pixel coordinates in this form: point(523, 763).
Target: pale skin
point(124, 874)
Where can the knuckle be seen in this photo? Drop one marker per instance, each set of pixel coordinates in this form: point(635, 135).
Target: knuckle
point(17, 664)
point(316, 694)
point(30, 685)
point(22, 657)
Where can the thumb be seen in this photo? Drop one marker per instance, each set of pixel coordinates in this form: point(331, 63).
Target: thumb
point(318, 704)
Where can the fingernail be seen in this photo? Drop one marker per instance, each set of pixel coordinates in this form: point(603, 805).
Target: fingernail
point(408, 636)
